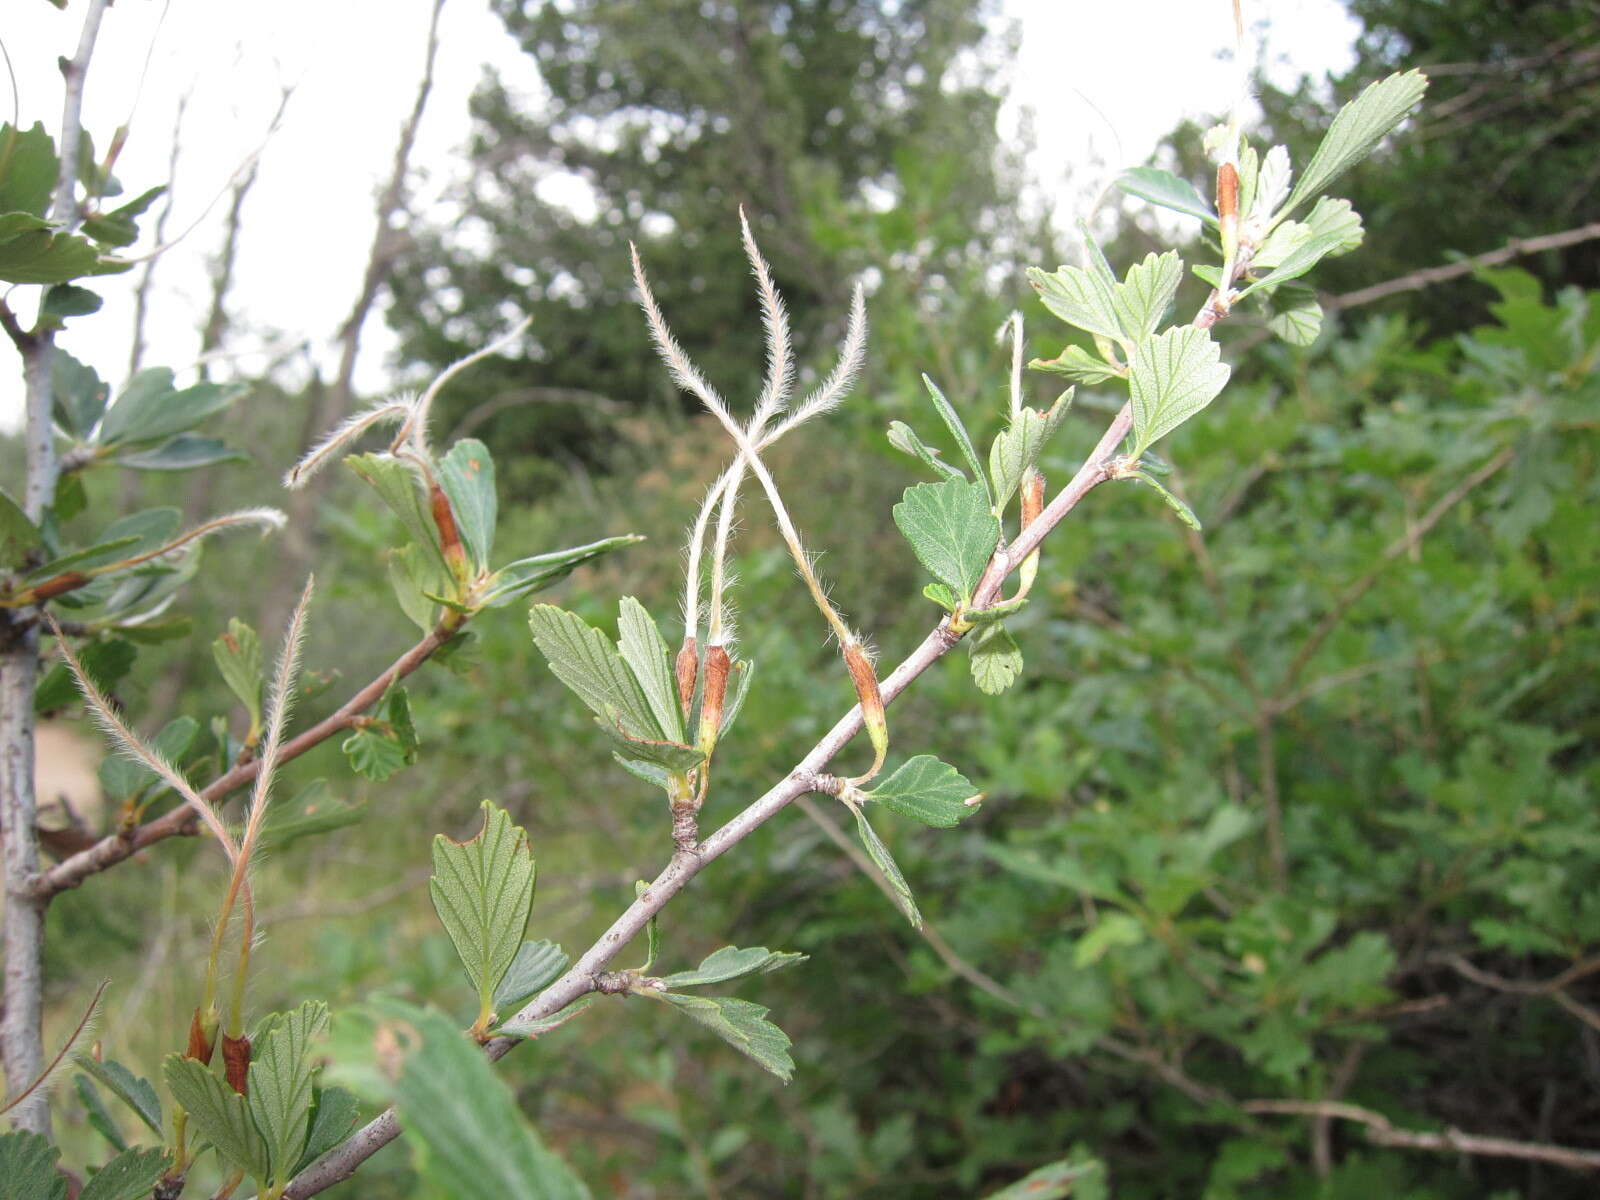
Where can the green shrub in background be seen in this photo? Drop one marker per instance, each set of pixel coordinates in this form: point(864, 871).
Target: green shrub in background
point(1285, 813)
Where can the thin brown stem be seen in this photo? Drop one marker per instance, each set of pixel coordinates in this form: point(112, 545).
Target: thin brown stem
point(181, 820)
point(342, 1162)
point(1381, 1132)
point(1428, 276)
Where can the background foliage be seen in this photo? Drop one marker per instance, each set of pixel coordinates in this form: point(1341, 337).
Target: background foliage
point(1299, 807)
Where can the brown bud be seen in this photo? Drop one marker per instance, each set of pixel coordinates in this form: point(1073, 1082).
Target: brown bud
point(1032, 498)
point(687, 665)
point(872, 714)
point(202, 1036)
point(444, 518)
point(67, 581)
point(716, 690)
point(236, 1061)
point(1227, 191)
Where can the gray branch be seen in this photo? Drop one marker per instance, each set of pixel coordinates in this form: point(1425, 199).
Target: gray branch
point(21, 1025)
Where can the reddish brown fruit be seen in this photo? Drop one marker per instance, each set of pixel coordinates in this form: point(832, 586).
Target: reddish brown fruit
point(1227, 191)
point(444, 518)
point(202, 1038)
point(236, 1061)
point(717, 666)
point(686, 667)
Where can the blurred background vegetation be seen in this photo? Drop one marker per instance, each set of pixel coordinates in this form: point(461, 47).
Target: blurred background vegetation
point(1303, 807)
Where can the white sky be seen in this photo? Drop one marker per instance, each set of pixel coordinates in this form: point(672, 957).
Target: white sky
point(355, 64)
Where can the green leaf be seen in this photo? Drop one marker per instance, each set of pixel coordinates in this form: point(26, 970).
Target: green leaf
point(28, 169)
point(185, 452)
point(941, 595)
point(1185, 513)
point(879, 853)
point(1115, 929)
point(649, 772)
point(1015, 451)
point(1167, 190)
point(741, 1024)
point(106, 661)
point(119, 227)
point(645, 651)
point(670, 756)
point(996, 659)
point(237, 654)
point(44, 256)
point(94, 1109)
point(1172, 377)
point(1145, 294)
point(415, 575)
point(333, 1115)
point(150, 408)
point(482, 890)
point(467, 476)
point(374, 754)
point(280, 1084)
point(128, 1176)
point(138, 1094)
point(957, 429)
point(479, 1146)
point(1076, 364)
point(313, 811)
point(14, 224)
point(536, 966)
point(1296, 317)
point(78, 396)
point(1084, 299)
point(65, 300)
point(396, 484)
point(928, 790)
point(582, 658)
point(528, 575)
point(122, 777)
point(1093, 300)
point(1272, 185)
point(731, 962)
point(952, 531)
point(18, 535)
point(395, 709)
point(904, 439)
point(218, 1114)
point(28, 1168)
point(1051, 1182)
point(1293, 248)
point(1358, 127)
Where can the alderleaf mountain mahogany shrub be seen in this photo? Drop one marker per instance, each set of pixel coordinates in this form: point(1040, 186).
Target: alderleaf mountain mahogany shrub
point(257, 1097)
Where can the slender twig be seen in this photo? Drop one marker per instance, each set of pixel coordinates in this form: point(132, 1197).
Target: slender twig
point(1382, 1132)
point(342, 1161)
point(1554, 988)
point(141, 293)
point(181, 820)
point(1428, 276)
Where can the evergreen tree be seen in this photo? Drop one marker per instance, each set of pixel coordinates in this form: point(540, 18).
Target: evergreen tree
point(850, 131)
point(1503, 148)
